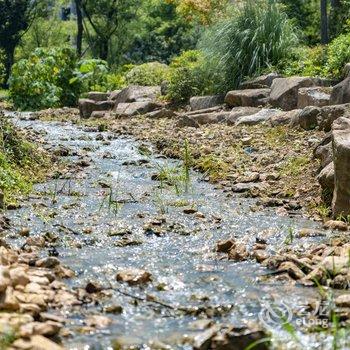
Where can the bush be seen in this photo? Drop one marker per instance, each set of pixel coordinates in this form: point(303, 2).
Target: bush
point(147, 74)
point(2, 68)
point(45, 80)
point(256, 35)
point(187, 77)
point(338, 55)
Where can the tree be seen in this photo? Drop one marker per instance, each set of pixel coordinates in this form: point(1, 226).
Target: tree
point(16, 16)
point(324, 22)
point(80, 27)
point(107, 17)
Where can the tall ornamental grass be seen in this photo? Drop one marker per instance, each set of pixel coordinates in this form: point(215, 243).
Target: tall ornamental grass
point(256, 35)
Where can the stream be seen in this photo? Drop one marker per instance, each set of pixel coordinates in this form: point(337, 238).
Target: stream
point(108, 214)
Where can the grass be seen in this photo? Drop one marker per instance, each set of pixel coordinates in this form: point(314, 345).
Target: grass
point(21, 163)
point(213, 166)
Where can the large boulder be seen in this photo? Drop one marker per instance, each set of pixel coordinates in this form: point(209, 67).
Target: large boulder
point(135, 108)
point(324, 151)
point(87, 106)
point(314, 96)
point(196, 120)
point(136, 93)
point(247, 98)
point(308, 117)
point(284, 91)
point(239, 112)
point(341, 93)
point(204, 102)
point(326, 180)
point(341, 153)
point(264, 81)
point(98, 96)
point(258, 118)
point(346, 71)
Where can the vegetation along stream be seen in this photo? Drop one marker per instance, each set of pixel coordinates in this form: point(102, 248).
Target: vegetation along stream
point(119, 207)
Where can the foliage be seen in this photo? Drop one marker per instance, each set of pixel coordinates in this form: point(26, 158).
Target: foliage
point(160, 34)
point(44, 80)
point(204, 11)
point(186, 77)
point(148, 74)
point(338, 54)
point(2, 67)
point(20, 162)
point(91, 75)
point(257, 35)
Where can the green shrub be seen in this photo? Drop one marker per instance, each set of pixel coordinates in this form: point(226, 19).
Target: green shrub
point(147, 74)
point(2, 67)
point(45, 80)
point(91, 74)
point(255, 36)
point(187, 77)
point(338, 55)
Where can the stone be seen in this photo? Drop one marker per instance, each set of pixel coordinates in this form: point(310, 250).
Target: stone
point(93, 287)
point(161, 113)
point(329, 114)
point(341, 155)
point(48, 328)
point(134, 276)
point(343, 300)
point(334, 264)
point(293, 270)
point(284, 91)
point(314, 96)
point(100, 114)
point(284, 118)
point(238, 112)
point(341, 92)
point(263, 81)
point(19, 277)
point(225, 246)
point(238, 253)
point(98, 96)
point(308, 117)
point(336, 225)
point(114, 95)
point(186, 121)
point(86, 107)
point(324, 151)
point(4, 278)
point(204, 102)
point(49, 262)
point(326, 179)
point(262, 116)
point(98, 321)
point(346, 71)
point(247, 98)
point(135, 108)
point(135, 93)
point(38, 342)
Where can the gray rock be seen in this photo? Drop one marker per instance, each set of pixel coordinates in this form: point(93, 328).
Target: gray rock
point(161, 113)
point(331, 113)
point(341, 92)
point(247, 98)
point(86, 107)
point(341, 152)
point(284, 91)
point(314, 96)
point(346, 71)
point(308, 117)
point(238, 112)
point(203, 119)
point(261, 117)
point(98, 96)
point(324, 151)
point(205, 102)
point(326, 180)
point(264, 81)
point(284, 118)
point(186, 121)
point(136, 93)
point(114, 95)
point(135, 108)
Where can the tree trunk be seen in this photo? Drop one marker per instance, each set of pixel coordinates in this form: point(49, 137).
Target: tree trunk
point(104, 48)
point(324, 23)
point(79, 27)
point(9, 60)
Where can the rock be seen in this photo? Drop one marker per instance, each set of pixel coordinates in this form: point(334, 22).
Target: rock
point(204, 102)
point(326, 179)
point(202, 340)
point(93, 287)
point(134, 276)
point(39, 342)
point(334, 264)
point(238, 253)
point(98, 96)
point(341, 152)
point(4, 278)
point(86, 107)
point(260, 255)
point(309, 232)
point(262, 116)
point(264, 81)
point(308, 117)
point(136, 93)
point(247, 98)
point(343, 300)
point(284, 91)
point(186, 121)
point(49, 262)
point(293, 270)
point(135, 108)
point(202, 119)
point(19, 277)
point(113, 309)
point(314, 96)
point(324, 151)
point(48, 328)
point(336, 225)
point(284, 118)
point(238, 112)
point(331, 113)
point(160, 113)
point(341, 92)
point(346, 71)
point(100, 114)
point(225, 246)
point(98, 321)
point(114, 95)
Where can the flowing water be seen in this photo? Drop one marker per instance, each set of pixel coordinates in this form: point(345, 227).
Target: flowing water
point(109, 191)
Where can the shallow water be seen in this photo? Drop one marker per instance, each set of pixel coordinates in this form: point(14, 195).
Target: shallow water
point(186, 272)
